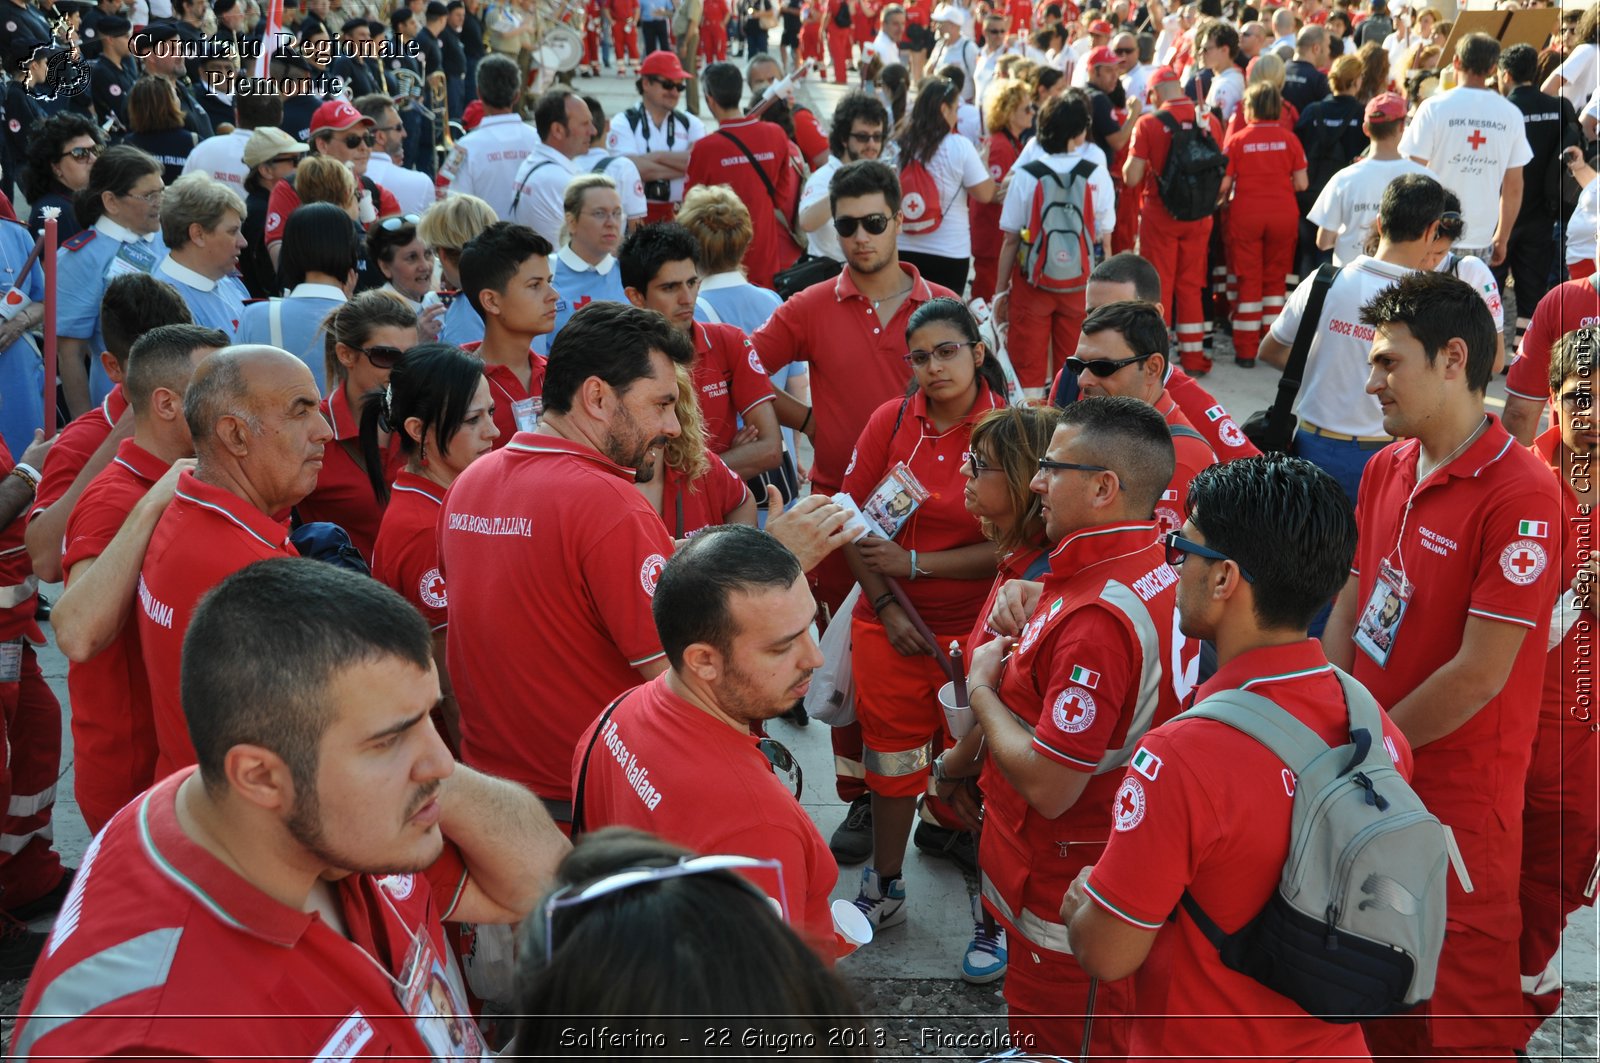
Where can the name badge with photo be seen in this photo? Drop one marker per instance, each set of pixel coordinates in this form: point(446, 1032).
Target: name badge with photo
point(526, 413)
point(1380, 620)
point(133, 257)
point(437, 1004)
point(893, 501)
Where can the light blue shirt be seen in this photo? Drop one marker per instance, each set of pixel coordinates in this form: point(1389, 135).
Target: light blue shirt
point(578, 284)
point(21, 368)
point(461, 324)
point(85, 264)
point(652, 9)
point(217, 304)
point(300, 317)
point(736, 301)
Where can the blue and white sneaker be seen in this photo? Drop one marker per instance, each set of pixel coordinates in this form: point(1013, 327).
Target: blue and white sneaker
point(985, 960)
point(881, 909)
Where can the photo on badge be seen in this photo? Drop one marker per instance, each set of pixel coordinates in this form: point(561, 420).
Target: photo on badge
point(1380, 621)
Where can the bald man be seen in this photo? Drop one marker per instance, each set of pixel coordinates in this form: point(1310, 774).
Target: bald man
point(259, 435)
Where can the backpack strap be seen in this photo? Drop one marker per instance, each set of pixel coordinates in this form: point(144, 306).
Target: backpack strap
point(522, 182)
point(766, 182)
point(578, 826)
point(1289, 740)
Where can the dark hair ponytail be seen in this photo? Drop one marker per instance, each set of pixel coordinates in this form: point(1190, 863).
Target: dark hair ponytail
point(434, 382)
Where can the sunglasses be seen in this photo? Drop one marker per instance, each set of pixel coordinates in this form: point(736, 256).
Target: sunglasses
point(784, 766)
point(1178, 548)
point(355, 140)
point(867, 138)
point(393, 225)
point(671, 86)
point(944, 352)
point(81, 153)
point(1046, 465)
point(875, 224)
point(1124, 51)
point(292, 160)
point(1102, 367)
point(381, 357)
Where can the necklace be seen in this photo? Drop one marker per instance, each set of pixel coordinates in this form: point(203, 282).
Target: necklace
point(876, 303)
point(1476, 432)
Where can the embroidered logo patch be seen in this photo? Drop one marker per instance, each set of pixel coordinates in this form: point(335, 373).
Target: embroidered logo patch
point(650, 573)
point(1073, 710)
point(1127, 811)
point(1522, 562)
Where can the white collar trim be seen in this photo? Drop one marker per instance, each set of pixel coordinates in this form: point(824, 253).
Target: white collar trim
point(576, 264)
point(308, 290)
point(179, 272)
point(734, 279)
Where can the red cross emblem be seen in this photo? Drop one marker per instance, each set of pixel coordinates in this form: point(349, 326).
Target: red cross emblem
point(1126, 804)
point(1524, 562)
point(1477, 139)
point(1075, 708)
point(581, 303)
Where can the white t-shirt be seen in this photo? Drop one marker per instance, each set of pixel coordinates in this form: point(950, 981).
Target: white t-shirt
point(1227, 92)
point(622, 170)
point(485, 161)
point(538, 191)
point(1136, 82)
point(412, 189)
point(1470, 138)
point(667, 136)
point(969, 123)
point(1018, 208)
point(961, 53)
point(1349, 202)
point(1334, 393)
point(1592, 108)
point(955, 167)
point(1475, 272)
point(222, 158)
point(1582, 225)
point(824, 241)
point(887, 50)
point(1397, 46)
point(1579, 72)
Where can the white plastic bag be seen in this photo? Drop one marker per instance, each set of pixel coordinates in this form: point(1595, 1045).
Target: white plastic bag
point(832, 697)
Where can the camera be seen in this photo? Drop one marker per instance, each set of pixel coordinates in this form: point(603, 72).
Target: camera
point(658, 191)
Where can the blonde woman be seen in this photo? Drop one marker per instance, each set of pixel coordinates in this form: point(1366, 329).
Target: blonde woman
point(446, 227)
point(1007, 117)
point(690, 486)
point(585, 269)
point(720, 223)
point(1266, 69)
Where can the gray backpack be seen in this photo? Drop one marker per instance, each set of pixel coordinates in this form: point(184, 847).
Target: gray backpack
point(1355, 927)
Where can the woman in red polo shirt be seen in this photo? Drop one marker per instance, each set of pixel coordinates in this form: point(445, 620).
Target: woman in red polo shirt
point(690, 486)
point(1008, 116)
point(439, 400)
point(937, 556)
point(366, 338)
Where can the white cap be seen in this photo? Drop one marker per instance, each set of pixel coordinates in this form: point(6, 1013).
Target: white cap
point(950, 13)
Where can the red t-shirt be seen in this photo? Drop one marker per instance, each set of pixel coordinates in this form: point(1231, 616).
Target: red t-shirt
point(1573, 540)
point(406, 553)
point(1262, 158)
point(168, 953)
point(78, 442)
point(985, 217)
point(1573, 305)
point(1020, 14)
point(730, 378)
point(857, 362)
point(942, 521)
point(284, 199)
point(1209, 417)
point(206, 535)
point(1209, 811)
point(1193, 454)
point(516, 408)
point(1151, 142)
point(706, 501)
point(716, 160)
point(664, 765)
point(1286, 120)
point(113, 731)
point(343, 494)
point(554, 554)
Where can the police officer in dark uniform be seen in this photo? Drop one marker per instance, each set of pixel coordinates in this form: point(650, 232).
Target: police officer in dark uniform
point(164, 58)
point(214, 84)
point(89, 29)
point(23, 28)
point(362, 73)
point(455, 59)
point(113, 73)
point(231, 27)
point(410, 93)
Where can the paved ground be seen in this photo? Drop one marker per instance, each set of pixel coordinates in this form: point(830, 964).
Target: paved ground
point(908, 979)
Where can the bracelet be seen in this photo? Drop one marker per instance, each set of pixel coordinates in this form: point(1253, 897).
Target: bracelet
point(981, 686)
point(882, 600)
point(26, 472)
point(914, 564)
point(805, 423)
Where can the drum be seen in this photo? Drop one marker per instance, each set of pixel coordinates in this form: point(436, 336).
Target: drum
point(560, 49)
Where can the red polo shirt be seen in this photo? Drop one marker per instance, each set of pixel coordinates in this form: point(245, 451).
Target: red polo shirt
point(1569, 306)
point(942, 521)
point(169, 953)
point(664, 765)
point(553, 555)
point(406, 554)
point(16, 570)
point(857, 362)
point(516, 408)
point(1262, 157)
point(1573, 539)
point(206, 535)
point(1193, 454)
point(1209, 417)
point(1014, 565)
point(706, 501)
point(343, 494)
point(78, 442)
point(716, 160)
point(1182, 828)
point(730, 378)
point(1151, 142)
point(113, 733)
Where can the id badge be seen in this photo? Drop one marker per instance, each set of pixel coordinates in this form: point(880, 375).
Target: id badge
point(11, 662)
point(526, 412)
point(1379, 625)
point(437, 1005)
point(134, 257)
point(893, 501)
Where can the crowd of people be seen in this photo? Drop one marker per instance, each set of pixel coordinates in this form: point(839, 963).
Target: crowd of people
point(458, 480)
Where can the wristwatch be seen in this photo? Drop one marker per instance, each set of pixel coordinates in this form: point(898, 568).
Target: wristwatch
point(936, 771)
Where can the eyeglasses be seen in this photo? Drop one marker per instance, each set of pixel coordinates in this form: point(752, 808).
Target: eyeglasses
point(82, 153)
point(380, 357)
point(355, 140)
point(150, 198)
point(393, 225)
point(670, 86)
point(1046, 465)
point(784, 766)
point(1451, 225)
point(570, 897)
point(1178, 547)
point(994, 33)
point(1125, 51)
point(1103, 367)
point(292, 160)
point(867, 138)
point(603, 216)
point(979, 466)
point(944, 352)
point(875, 224)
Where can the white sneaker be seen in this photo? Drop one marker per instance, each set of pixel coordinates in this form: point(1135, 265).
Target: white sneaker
point(880, 909)
point(985, 960)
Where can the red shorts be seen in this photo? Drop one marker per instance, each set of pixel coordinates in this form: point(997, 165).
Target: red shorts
point(897, 704)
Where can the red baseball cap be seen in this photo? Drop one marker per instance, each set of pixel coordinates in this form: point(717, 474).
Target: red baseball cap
point(1100, 28)
point(1162, 75)
point(337, 115)
point(1386, 107)
point(663, 64)
point(1101, 56)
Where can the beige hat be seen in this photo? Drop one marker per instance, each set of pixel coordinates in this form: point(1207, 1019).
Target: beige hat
point(268, 143)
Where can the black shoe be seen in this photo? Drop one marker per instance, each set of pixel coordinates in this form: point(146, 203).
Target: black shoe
point(41, 610)
point(852, 841)
point(19, 949)
point(1244, 363)
point(957, 846)
point(47, 904)
point(798, 715)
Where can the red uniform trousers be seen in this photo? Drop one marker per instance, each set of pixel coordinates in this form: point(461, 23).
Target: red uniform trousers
point(839, 52)
point(985, 268)
point(1261, 246)
point(714, 42)
point(1047, 997)
point(811, 41)
point(625, 40)
point(897, 704)
point(1560, 826)
point(1126, 234)
point(1044, 330)
point(1177, 249)
point(591, 45)
point(29, 867)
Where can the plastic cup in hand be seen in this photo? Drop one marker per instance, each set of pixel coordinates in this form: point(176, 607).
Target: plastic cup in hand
point(958, 718)
point(850, 926)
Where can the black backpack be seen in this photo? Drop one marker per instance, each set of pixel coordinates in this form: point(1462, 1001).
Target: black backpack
point(1326, 154)
point(1192, 178)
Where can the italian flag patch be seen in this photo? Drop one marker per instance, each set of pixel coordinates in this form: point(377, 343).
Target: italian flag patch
point(1534, 529)
point(1216, 413)
point(1147, 764)
point(1083, 677)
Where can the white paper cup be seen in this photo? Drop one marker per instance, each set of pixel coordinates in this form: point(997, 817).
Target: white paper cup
point(850, 925)
point(958, 718)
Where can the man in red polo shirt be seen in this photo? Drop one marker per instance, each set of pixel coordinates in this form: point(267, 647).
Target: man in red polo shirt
point(133, 304)
point(1267, 543)
point(259, 436)
point(113, 732)
point(287, 893)
point(1444, 619)
point(752, 156)
point(680, 756)
point(1123, 352)
point(660, 272)
point(505, 275)
point(1561, 816)
point(342, 133)
point(852, 332)
point(1063, 708)
point(1176, 248)
point(1569, 306)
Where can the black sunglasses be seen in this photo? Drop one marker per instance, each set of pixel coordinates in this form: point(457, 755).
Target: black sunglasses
point(1178, 547)
point(82, 153)
point(381, 357)
point(875, 224)
point(867, 138)
point(784, 766)
point(393, 224)
point(355, 140)
point(1102, 366)
point(670, 86)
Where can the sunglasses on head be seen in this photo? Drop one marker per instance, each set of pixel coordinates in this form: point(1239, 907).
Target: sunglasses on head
point(875, 224)
point(1102, 366)
point(355, 140)
point(82, 153)
point(394, 224)
point(670, 86)
point(381, 357)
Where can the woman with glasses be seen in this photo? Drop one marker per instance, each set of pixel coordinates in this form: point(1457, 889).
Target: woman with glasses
point(439, 416)
point(922, 580)
point(1007, 116)
point(156, 119)
point(585, 270)
point(121, 208)
point(366, 338)
point(317, 273)
point(939, 171)
point(62, 150)
point(690, 486)
point(447, 226)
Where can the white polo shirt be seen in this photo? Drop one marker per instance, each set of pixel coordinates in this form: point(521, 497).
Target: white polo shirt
point(536, 195)
point(1469, 139)
point(825, 240)
point(222, 158)
point(677, 133)
point(1348, 203)
point(485, 161)
point(412, 189)
point(623, 172)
